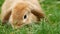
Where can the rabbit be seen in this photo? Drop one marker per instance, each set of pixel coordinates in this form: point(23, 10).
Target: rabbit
point(19, 12)
point(21, 15)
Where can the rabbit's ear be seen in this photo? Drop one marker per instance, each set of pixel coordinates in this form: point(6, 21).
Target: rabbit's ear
point(6, 17)
point(38, 13)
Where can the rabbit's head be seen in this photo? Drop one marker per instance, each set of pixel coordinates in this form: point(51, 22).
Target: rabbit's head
point(21, 15)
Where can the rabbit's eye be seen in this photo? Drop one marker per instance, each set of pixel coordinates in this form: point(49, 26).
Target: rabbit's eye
point(25, 16)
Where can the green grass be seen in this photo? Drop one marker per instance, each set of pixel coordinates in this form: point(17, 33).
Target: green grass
point(50, 25)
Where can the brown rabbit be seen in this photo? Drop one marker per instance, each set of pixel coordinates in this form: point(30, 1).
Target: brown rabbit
point(21, 15)
point(21, 12)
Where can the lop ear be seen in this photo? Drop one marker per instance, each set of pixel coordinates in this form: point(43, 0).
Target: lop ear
point(38, 12)
point(6, 17)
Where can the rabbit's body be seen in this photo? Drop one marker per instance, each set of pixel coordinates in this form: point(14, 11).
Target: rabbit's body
point(19, 12)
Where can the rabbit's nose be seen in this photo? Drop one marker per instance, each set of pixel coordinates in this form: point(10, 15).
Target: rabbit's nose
point(19, 24)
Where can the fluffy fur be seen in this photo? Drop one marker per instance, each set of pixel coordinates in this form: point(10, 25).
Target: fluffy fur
point(14, 11)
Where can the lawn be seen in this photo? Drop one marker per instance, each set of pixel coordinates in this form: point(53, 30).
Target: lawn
point(48, 25)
